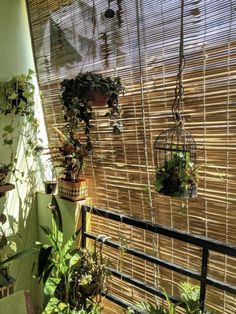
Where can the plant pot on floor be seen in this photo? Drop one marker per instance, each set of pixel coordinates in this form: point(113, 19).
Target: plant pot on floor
point(74, 191)
point(50, 187)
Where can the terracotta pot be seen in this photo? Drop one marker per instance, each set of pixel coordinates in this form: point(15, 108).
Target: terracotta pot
point(98, 99)
point(74, 191)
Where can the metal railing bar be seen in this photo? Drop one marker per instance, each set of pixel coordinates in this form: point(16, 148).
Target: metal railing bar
point(220, 285)
point(197, 240)
point(83, 227)
point(205, 255)
point(122, 303)
point(142, 285)
point(155, 260)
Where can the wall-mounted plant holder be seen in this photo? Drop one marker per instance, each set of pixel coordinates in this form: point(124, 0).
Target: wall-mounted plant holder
point(6, 188)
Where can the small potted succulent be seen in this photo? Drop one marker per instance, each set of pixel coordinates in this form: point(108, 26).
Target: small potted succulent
point(178, 177)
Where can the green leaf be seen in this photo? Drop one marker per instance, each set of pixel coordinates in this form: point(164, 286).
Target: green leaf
point(57, 214)
point(50, 287)
point(8, 128)
point(16, 256)
point(50, 236)
point(159, 184)
point(8, 142)
point(70, 243)
point(44, 254)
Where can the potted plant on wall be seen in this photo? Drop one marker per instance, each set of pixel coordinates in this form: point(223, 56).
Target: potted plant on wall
point(71, 277)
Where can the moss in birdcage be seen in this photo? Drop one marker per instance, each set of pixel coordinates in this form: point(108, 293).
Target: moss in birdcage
point(178, 177)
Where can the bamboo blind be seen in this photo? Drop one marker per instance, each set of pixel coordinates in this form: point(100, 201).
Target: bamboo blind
point(143, 51)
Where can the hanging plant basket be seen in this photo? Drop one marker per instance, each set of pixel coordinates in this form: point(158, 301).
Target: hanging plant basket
point(176, 172)
point(74, 191)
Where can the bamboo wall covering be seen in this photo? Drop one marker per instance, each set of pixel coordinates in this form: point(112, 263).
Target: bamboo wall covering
point(141, 46)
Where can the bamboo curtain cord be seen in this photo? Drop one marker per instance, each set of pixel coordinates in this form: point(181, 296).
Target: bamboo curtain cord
point(121, 171)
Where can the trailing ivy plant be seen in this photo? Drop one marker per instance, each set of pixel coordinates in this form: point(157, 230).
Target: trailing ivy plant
point(17, 103)
point(78, 103)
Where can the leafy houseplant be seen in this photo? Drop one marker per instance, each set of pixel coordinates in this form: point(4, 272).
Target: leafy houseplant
point(68, 157)
point(178, 177)
point(17, 100)
point(80, 94)
point(70, 276)
point(16, 96)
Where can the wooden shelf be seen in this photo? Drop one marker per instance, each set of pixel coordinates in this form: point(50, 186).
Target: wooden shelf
point(5, 188)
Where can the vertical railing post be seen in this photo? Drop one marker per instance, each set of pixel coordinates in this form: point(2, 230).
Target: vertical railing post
point(205, 255)
point(83, 227)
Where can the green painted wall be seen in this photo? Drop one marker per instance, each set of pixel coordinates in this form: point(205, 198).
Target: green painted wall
point(15, 58)
point(15, 53)
point(25, 209)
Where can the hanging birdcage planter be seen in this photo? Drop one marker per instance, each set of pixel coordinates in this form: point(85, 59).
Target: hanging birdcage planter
point(175, 155)
point(175, 148)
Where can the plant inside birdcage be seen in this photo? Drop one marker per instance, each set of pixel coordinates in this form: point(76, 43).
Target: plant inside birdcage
point(178, 177)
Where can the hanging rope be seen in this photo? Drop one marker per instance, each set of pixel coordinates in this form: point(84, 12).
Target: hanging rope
point(138, 19)
point(179, 89)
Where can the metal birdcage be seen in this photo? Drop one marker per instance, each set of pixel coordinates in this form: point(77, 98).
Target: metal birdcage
point(175, 148)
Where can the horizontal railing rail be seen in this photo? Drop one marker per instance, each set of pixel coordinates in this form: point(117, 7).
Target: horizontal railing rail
point(205, 243)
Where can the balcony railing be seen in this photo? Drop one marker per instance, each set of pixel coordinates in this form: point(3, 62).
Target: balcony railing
point(205, 243)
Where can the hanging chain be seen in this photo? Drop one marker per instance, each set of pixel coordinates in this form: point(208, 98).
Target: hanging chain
point(179, 89)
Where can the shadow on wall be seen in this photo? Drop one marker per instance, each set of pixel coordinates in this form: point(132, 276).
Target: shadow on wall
point(20, 207)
